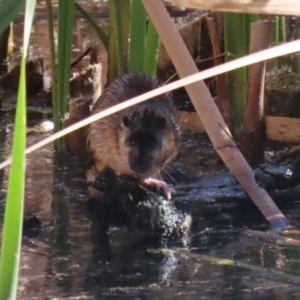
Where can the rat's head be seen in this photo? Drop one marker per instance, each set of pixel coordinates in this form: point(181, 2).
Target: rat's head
point(149, 141)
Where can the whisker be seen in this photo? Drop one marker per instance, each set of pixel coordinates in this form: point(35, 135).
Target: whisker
point(178, 172)
point(169, 177)
point(171, 171)
point(158, 176)
point(154, 176)
point(174, 172)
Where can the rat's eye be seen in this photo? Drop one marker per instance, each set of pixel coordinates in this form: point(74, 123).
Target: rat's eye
point(127, 121)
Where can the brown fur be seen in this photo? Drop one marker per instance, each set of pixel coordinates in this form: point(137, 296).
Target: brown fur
point(108, 138)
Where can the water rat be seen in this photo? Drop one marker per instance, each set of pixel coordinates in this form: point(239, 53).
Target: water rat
point(139, 140)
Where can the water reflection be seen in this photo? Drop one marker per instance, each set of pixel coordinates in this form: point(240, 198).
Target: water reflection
point(68, 261)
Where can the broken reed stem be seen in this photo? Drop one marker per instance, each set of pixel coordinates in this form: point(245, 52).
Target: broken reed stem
point(210, 115)
point(253, 135)
point(222, 95)
point(273, 274)
point(270, 7)
point(272, 237)
point(80, 57)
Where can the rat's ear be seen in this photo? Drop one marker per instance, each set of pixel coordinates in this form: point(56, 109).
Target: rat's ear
point(127, 121)
point(160, 123)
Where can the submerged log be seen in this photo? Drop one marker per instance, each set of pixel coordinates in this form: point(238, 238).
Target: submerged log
point(197, 201)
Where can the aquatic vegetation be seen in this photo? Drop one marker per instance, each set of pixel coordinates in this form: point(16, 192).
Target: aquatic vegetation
point(13, 220)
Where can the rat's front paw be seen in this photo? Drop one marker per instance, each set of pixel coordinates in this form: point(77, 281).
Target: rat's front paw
point(159, 186)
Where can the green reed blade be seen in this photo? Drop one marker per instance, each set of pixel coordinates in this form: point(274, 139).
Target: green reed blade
point(125, 13)
point(236, 81)
point(151, 50)
point(279, 30)
point(100, 33)
point(137, 36)
point(119, 30)
point(66, 10)
point(13, 219)
point(236, 40)
point(9, 9)
point(279, 37)
point(118, 7)
point(53, 64)
point(282, 29)
point(112, 43)
point(275, 30)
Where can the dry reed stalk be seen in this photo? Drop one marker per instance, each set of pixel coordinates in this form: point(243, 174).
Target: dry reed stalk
point(253, 135)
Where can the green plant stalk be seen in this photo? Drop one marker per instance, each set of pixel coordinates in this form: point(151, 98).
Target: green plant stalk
point(275, 29)
point(236, 81)
point(283, 61)
point(120, 61)
point(39, 109)
point(151, 50)
point(237, 25)
point(295, 61)
point(56, 115)
point(279, 30)
point(275, 36)
point(125, 10)
point(279, 37)
point(112, 43)
point(137, 36)
point(66, 10)
point(9, 9)
point(13, 219)
point(282, 29)
point(100, 33)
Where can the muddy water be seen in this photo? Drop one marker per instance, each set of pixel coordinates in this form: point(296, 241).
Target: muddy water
point(64, 260)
